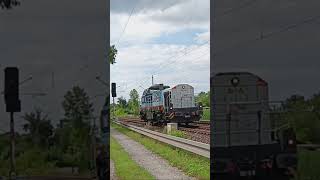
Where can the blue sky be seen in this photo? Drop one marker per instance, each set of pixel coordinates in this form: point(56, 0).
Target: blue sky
point(184, 37)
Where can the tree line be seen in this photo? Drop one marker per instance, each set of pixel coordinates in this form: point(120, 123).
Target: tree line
point(128, 107)
point(303, 115)
point(44, 147)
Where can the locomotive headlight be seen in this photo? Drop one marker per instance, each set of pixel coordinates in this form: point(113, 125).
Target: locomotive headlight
point(235, 81)
point(290, 142)
point(171, 108)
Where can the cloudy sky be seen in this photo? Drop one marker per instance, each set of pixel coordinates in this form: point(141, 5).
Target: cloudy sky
point(60, 46)
point(288, 58)
point(168, 39)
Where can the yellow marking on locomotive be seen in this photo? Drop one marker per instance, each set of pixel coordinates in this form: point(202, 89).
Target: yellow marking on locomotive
point(171, 115)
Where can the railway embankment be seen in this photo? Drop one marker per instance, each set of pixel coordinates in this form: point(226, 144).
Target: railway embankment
point(161, 159)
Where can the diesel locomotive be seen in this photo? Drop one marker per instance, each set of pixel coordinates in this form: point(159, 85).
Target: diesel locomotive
point(249, 139)
point(162, 104)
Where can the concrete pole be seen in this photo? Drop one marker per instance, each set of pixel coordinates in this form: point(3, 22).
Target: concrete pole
point(114, 109)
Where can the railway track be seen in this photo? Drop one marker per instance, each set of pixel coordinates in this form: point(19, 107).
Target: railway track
point(196, 131)
point(199, 148)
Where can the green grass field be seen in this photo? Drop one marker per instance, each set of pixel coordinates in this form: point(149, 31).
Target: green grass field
point(308, 165)
point(206, 114)
point(125, 167)
point(192, 164)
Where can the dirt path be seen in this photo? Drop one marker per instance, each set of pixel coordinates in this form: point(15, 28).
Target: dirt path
point(154, 164)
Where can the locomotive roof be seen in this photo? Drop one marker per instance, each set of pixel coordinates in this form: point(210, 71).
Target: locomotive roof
point(157, 87)
point(260, 80)
point(236, 73)
point(233, 73)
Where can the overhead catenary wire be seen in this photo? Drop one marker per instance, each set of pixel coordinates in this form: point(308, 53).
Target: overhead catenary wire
point(185, 73)
point(267, 35)
point(187, 21)
point(234, 9)
point(125, 27)
point(173, 59)
point(194, 60)
point(187, 77)
point(226, 12)
point(263, 36)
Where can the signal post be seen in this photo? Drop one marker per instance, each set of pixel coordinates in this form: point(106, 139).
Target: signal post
point(13, 104)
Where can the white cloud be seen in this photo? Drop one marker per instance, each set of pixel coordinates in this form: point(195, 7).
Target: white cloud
point(137, 64)
point(150, 23)
point(138, 58)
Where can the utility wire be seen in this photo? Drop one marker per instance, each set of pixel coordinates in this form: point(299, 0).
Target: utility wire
point(173, 59)
point(267, 35)
point(187, 78)
point(231, 10)
point(272, 33)
point(125, 27)
point(186, 74)
point(187, 21)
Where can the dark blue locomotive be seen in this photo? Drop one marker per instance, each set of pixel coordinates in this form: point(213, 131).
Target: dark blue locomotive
point(162, 104)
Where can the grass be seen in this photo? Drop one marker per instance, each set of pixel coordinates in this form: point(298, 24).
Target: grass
point(29, 162)
point(178, 133)
point(206, 114)
point(125, 167)
point(192, 164)
point(308, 165)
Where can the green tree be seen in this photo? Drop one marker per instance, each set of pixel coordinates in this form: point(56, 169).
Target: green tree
point(9, 4)
point(134, 102)
point(38, 126)
point(315, 108)
point(60, 138)
point(204, 98)
point(113, 54)
point(76, 137)
point(77, 107)
point(122, 102)
point(303, 116)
